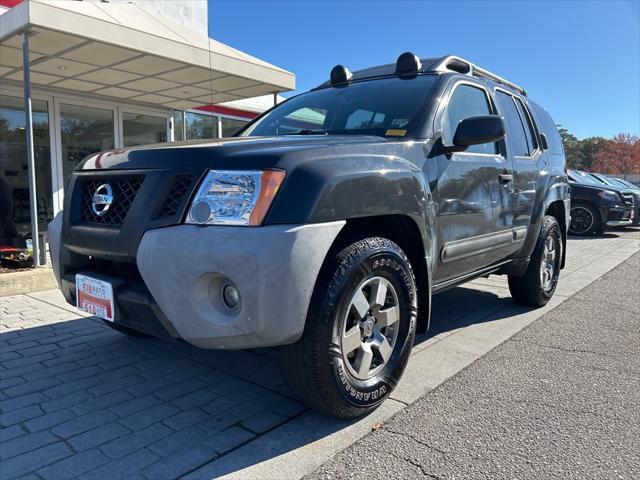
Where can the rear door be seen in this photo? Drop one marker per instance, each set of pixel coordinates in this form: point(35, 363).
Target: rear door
point(523, 150)
point(472, 191)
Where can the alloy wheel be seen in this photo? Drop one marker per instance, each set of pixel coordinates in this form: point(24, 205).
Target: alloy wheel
point(581, 220)
point(370, 328)
point(548, 263)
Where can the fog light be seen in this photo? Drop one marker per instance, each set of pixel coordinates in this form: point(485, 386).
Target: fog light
point(231, 296)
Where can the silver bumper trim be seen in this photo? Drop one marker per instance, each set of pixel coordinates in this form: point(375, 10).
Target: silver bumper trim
point(619, 223)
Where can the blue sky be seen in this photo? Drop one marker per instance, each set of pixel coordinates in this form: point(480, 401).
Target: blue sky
point(578, 59)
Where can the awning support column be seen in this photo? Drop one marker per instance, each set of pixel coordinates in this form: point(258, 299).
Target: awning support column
point(31, 167)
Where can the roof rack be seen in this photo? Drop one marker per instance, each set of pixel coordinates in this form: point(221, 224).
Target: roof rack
point(460, 65)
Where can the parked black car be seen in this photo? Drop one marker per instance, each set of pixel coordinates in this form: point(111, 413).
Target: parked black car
point(595, 207)
point(626, 191)
point(326, 225)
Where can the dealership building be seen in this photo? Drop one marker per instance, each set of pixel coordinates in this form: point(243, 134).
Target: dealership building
point(111, 74)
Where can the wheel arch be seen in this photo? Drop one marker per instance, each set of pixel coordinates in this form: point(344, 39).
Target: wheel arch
point(557, 210)
point(403, 230)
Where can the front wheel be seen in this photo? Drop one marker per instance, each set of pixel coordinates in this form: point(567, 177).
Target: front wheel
point(539, 282)
point(359, 330)
point(585, 220)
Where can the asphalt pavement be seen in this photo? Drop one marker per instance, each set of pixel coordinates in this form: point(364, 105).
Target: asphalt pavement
point(561, 399)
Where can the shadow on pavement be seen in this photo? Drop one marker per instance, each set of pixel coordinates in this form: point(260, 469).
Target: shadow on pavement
point(113, 406)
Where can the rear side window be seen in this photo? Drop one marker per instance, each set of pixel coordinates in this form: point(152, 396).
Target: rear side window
point(548, 127)
point(467, 101)
point(529, 130)
point(516, 134)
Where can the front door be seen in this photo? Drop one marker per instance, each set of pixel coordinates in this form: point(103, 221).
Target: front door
point(473, 192)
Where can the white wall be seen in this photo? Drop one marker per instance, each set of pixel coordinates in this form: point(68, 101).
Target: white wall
point(189, 13)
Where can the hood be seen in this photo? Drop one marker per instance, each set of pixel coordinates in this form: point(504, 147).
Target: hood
point(591, 186)
point(225, 153)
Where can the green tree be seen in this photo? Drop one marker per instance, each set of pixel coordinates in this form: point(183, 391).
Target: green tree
point(572, 150)
point(590, 147)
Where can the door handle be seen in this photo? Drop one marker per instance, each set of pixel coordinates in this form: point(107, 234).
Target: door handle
point(505, 178)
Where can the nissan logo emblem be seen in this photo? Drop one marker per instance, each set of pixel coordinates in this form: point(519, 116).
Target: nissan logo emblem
point(102, 199)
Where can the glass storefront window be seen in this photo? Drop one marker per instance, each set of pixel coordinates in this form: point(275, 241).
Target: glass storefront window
point(84, 130)
point(138, 129)
point(15, 212)
point(199, 125)
point(178, 126)
point(231, 126)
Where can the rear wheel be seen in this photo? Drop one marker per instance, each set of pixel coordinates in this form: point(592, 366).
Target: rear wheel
point(585, 220)
point(537, 285)
point(359, 330)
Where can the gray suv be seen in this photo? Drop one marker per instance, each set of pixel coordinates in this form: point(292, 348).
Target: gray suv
point(326, 225)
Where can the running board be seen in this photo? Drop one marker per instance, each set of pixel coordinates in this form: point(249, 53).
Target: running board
point(454, 282)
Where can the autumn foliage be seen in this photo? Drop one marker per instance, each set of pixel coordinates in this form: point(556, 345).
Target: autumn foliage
point(619, 155)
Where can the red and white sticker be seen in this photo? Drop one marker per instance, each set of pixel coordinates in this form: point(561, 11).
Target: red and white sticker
point(95, 297)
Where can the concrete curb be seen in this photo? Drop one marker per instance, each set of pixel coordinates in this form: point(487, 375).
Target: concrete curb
point(27, 281)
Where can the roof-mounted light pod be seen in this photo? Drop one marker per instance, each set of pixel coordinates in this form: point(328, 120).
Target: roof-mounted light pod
point(340, 75)
point(459, 65)
point(408, 64)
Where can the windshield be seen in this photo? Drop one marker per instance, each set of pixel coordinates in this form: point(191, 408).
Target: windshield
point(626, 183)
point(618, 183)
point(386, 107)
point(602, 179)
point(582, 177)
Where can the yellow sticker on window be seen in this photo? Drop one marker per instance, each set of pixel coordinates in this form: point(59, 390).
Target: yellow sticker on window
point(395, 132)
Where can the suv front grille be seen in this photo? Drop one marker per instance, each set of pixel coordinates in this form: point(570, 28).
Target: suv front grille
point(180, 189)
point(124, 192)
point(123, 270)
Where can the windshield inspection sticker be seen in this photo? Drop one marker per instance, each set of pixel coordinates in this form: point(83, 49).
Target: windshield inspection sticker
point(395, 132)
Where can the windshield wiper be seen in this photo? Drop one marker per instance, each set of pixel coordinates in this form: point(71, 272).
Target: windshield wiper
point(309, 132)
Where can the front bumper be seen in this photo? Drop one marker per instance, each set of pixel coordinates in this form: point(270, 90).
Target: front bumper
point(618, 216)
point(619, 223)
point(184, 267)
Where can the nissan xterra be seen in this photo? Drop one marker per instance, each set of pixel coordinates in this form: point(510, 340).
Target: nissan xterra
point(325, 225)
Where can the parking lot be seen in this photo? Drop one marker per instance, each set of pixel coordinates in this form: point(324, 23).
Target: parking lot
point(79, 400)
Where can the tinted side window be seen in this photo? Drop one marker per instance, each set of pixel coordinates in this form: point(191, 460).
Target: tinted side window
point(516, 135)
point(548, 127)
point(529, 130)
point(467, 101)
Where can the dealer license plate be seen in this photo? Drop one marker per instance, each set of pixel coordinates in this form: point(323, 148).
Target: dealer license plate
point(94, 296)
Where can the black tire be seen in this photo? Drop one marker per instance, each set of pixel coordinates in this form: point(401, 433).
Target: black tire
point(315, 367)
point(126, 330)
point(585, 219)
point(531, 288)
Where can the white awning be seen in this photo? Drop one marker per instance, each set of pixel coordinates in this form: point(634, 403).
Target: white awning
point(121, 51)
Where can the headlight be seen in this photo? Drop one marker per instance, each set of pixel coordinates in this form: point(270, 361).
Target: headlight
point(234, 197)
point(609, 195)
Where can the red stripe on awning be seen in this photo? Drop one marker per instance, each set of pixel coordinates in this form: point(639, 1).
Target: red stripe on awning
point(235, 112)
point(9, 3)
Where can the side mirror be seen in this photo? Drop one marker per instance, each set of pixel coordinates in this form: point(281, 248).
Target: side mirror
point(543, 142)
point(476, 131)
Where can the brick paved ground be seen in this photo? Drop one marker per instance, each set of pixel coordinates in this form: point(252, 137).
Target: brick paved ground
point(80, 400)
